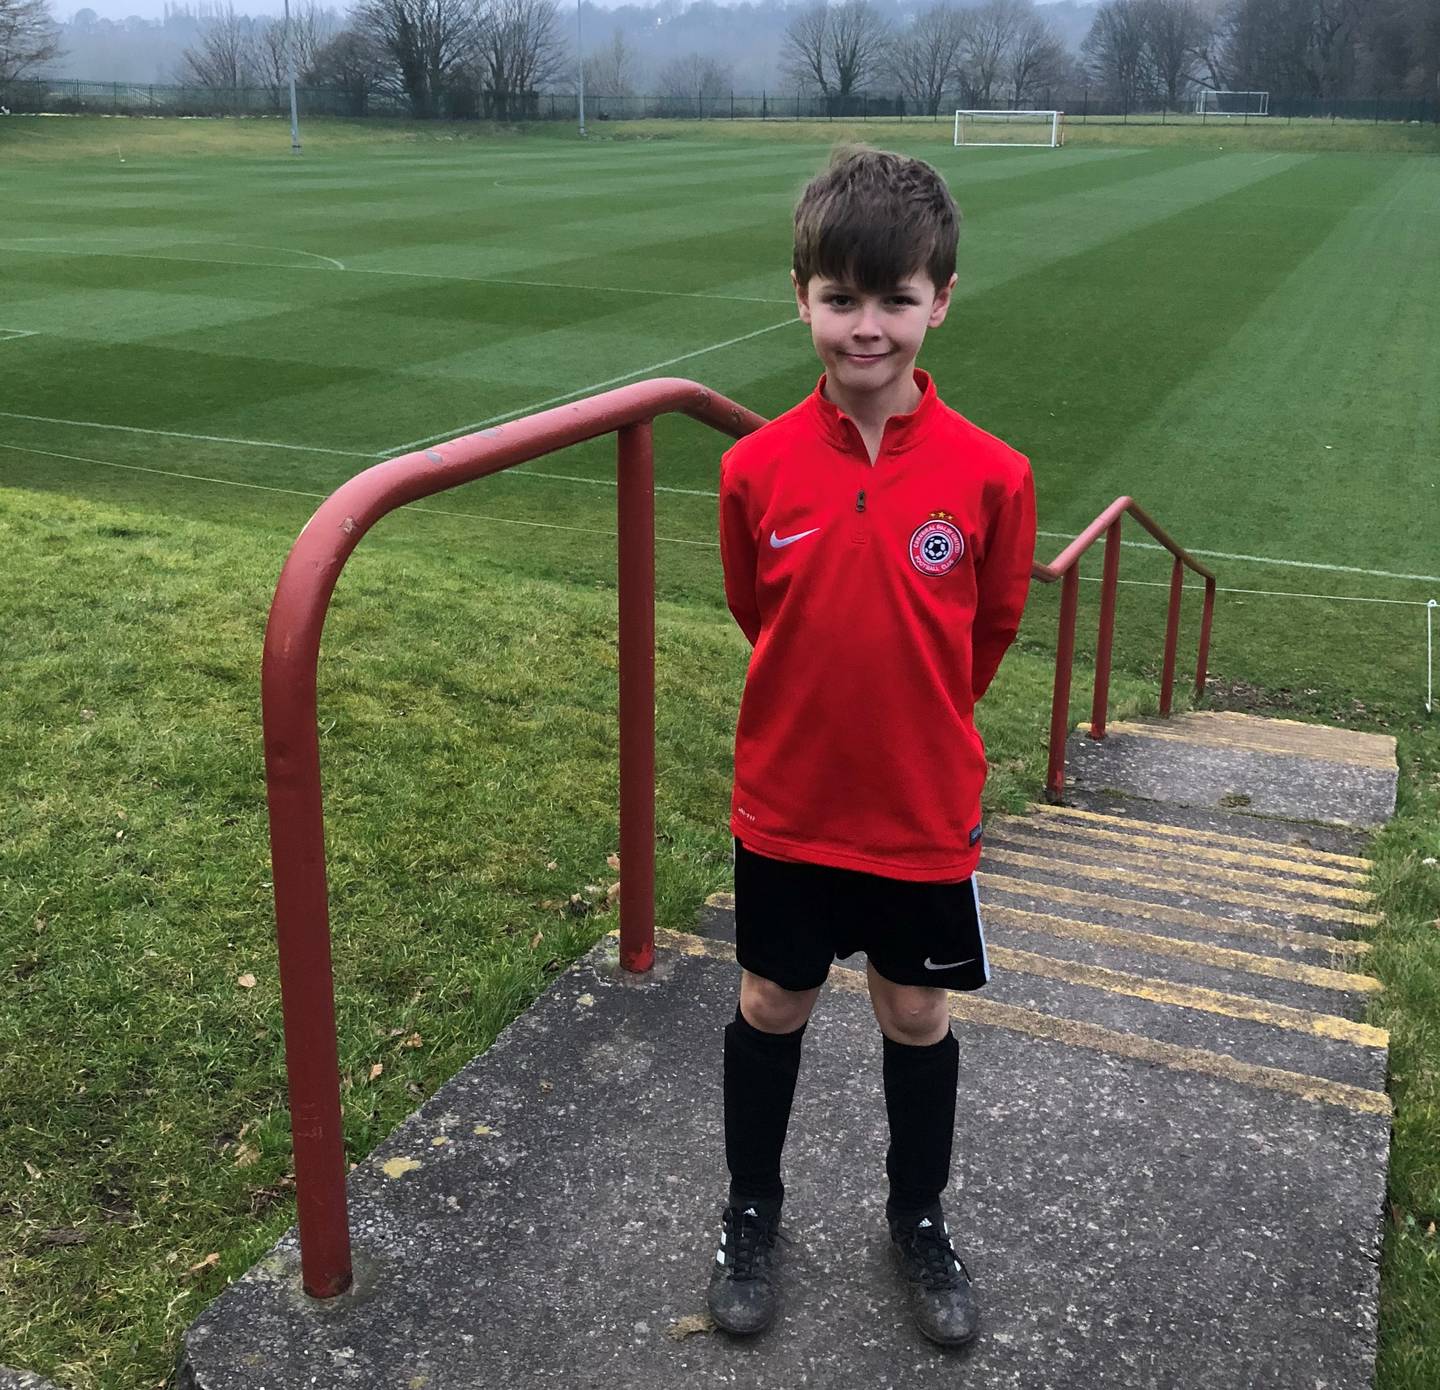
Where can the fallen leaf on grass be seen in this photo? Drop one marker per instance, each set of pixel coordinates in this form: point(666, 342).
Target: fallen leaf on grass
point(32, 1170)
point(612, 895)
point(213, 1258)
point(414, 1040)
point(685, 1327)
point(613, 860)
point(536, 939)
point(245, 1155)
point(246, 981)
point(551, 864)
point(376, 1069)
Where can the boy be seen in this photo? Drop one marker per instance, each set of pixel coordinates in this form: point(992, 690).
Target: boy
point(877, 550)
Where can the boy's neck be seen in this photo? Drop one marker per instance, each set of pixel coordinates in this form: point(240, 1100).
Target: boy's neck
point(870, 410)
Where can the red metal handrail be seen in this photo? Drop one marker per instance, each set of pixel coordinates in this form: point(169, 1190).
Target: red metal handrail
point(1066, 568)
point(292, 748)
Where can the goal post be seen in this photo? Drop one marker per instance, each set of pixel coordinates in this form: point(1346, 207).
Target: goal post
point(1026, 129)
point(1215, 103)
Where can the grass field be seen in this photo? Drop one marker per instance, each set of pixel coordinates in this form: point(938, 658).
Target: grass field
point(199, 342)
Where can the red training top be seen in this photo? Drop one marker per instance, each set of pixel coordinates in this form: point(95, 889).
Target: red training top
point(879, 600)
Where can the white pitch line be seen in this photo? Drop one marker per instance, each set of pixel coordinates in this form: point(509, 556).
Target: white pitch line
point(1271, 593)
point(1262, 559)
point(296, 492)
point(570, 395)
point(6, 334)
point(405, 274)
point(180, 434)
point(1066, 536)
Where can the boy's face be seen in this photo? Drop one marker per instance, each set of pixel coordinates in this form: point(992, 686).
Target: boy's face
point(869, 342)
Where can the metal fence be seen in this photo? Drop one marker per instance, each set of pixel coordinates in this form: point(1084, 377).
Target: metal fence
point(68, 95)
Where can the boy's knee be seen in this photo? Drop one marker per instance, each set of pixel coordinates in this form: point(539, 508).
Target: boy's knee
point(771, 1008)
point(914, 1016)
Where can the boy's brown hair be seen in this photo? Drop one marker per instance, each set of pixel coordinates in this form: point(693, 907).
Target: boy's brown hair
point(872, 218)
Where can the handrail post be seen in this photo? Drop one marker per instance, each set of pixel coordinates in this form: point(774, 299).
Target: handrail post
point(1202, 660)
point(1060, 704)
point(302, 932)
point(1100, 704)
point(635, 481)
point(1172, 637)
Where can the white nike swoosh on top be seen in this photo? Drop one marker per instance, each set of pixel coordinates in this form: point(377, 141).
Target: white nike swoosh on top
point(778, 542)
point(947, 965)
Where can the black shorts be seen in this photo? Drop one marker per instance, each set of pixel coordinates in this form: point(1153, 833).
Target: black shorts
point(793, 920)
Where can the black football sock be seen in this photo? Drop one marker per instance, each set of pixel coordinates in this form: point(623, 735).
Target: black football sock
point(760, 1072)
point(920, 1085)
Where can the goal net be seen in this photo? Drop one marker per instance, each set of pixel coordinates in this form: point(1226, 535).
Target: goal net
point(1027, 128)
point(1208, 103)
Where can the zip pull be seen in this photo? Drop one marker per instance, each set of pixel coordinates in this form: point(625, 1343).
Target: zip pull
point(860, 501)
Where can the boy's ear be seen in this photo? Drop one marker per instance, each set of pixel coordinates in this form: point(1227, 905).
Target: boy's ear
point(941, 307)
point(802, 298)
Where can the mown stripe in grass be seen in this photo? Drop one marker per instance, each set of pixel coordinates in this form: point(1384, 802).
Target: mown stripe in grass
point(1105, 335)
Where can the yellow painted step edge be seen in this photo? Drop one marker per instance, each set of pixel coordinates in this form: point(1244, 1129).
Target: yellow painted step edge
point(1221, 957)
point(1188, 833)
point(1091, 833)
point(1178, 916)
point(966, 1008)
point(1201, 872)
point(1234, 896)
point(1195, 997)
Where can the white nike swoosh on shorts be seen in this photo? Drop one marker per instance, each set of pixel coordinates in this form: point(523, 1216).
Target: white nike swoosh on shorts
point(780, 542)
point(949, 964)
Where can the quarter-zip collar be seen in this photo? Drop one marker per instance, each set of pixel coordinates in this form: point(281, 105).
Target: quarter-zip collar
point(901, 431)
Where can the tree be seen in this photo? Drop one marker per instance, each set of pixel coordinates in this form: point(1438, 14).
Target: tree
point(426, 41)
point(225, 57)
point(859, 38)
point(352, 65)
point(614, 71)
point(988, 38)
point(519, 50)
point(804, 53)
point(925, 58)
point(311, 28)
point(838, 48)
point(28, 36)
point(1175, 37)
point(1115, 49)
point(1035, 60)
point(690, 82)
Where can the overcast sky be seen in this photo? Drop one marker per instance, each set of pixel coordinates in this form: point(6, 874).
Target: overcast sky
point(155, 9)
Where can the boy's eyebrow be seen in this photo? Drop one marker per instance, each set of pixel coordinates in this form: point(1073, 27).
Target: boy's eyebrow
point(844, 287)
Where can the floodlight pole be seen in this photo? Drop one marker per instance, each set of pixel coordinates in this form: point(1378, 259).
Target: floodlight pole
point(290, 63)
point(580, 51)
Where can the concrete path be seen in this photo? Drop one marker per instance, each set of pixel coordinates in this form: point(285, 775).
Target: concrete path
point(1170, 1165)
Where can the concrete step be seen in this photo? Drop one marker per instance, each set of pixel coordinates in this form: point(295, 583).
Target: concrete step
point(1166, 887)
point(1301, 772)
point(1211, 826)
point(1135, 1213)
point(1204, 1006)
point(1265, 974)
point(1264, 882)
point(1223, 928)
point(1225, 729)
point(1252, 867)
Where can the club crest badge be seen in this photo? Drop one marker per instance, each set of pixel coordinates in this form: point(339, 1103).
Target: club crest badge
point(937, 544)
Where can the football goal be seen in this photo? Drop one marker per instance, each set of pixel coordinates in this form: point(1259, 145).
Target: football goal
point(1027, 128)
point(1208, 103)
